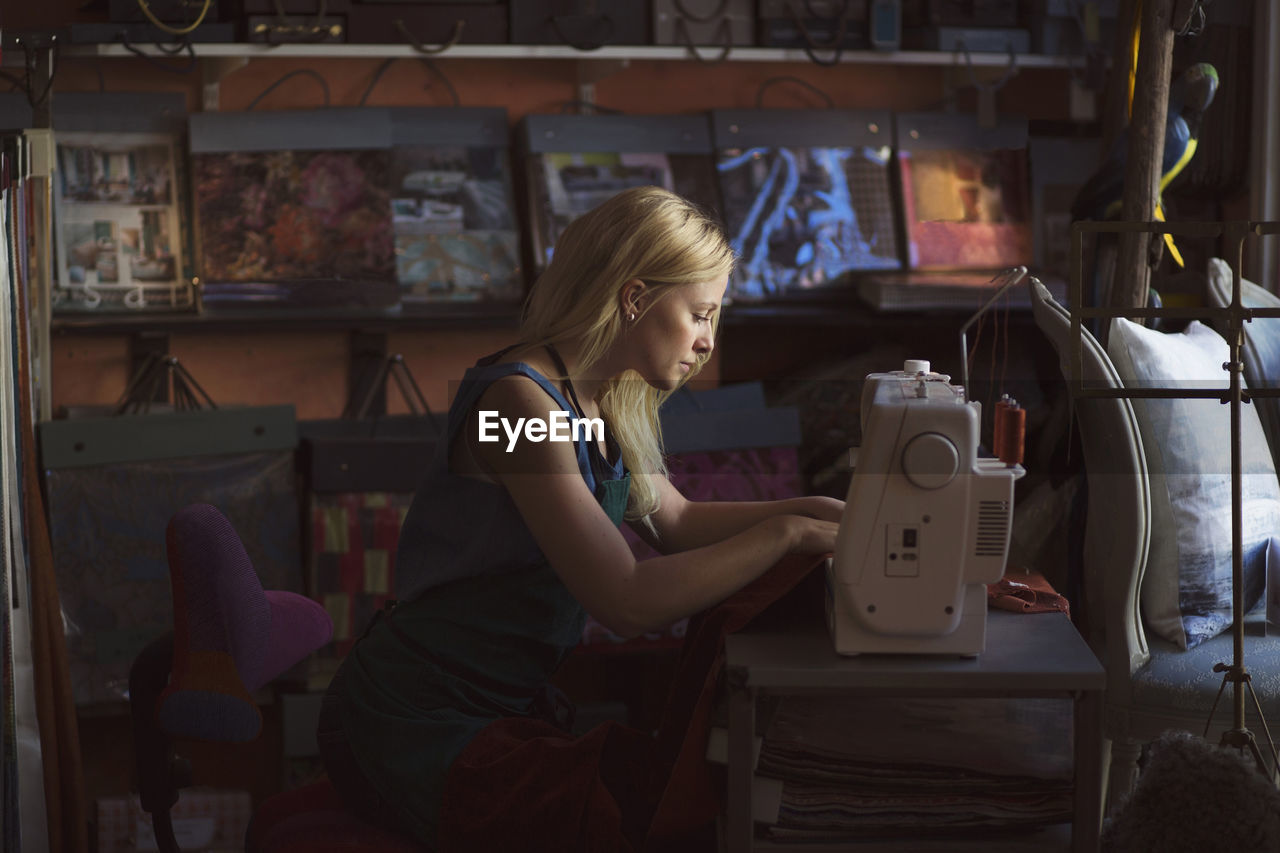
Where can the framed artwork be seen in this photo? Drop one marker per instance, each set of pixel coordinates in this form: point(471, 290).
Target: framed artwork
point(377, 208)
point(454, 226)
point(966, 192)
point(292, 217)
point(802, 218)
point(568, 184)
point(807, 198)
point(966, 207)
point(119, 239)
point(574, 163)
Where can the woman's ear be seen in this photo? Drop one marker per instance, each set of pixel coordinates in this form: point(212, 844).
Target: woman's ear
point(632, 297)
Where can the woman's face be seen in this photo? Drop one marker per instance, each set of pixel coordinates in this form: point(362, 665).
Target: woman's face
point(667, 340)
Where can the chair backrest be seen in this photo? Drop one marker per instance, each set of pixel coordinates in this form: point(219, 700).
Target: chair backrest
point(230, 637)
point(1117, 528)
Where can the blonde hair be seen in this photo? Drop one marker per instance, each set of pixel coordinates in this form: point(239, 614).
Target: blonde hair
point(644, 233)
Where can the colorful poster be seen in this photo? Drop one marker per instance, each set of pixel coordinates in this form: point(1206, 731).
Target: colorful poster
point(801, 218)
point(455, 231)
point(569, 185)
point(119, 242)
point(294, 215)
point(966, 208)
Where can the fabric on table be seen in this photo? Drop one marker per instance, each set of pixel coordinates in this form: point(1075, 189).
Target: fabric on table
point(1026, 591)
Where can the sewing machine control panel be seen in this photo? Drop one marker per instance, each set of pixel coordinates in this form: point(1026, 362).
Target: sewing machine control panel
point(902, 551)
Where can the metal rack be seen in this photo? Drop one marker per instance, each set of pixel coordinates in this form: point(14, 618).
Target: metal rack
point(1235, 315)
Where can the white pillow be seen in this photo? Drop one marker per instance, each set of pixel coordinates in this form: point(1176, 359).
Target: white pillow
point(1186, 592)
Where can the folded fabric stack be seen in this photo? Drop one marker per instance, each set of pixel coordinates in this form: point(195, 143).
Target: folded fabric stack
point(911, 768)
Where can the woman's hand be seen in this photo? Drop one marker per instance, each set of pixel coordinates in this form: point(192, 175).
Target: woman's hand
point(806, 536)
point(823, 508)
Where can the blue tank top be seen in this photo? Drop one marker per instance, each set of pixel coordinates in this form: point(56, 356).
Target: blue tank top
point(459, 526)
point(484, 624)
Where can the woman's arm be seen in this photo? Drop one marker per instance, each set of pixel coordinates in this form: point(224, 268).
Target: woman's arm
point(683, 525)
point(589, 553)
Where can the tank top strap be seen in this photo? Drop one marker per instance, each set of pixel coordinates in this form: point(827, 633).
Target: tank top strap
point(478, 379)
point(601, 466)
point(568, 384)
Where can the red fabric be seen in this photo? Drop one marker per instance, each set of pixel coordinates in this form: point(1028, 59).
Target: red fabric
point(689, 798)
point(311, 819)
point(523, 785)
point(1025, 591)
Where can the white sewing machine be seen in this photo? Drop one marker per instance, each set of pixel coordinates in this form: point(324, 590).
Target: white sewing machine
point(926, 522)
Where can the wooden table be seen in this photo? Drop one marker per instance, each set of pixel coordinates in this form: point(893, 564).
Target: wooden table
point(1033, 655)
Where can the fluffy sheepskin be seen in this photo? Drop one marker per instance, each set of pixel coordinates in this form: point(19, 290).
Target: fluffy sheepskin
point(1196, 797)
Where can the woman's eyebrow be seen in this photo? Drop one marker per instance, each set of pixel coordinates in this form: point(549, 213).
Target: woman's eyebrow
point(707, 306)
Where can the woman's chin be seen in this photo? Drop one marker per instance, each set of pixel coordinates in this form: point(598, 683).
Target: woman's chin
point(664, 383)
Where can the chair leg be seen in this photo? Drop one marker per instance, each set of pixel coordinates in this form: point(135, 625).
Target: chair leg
point(1104, 790)
point(1124, 770)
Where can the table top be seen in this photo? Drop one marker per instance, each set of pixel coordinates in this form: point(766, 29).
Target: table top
point(1025, 654)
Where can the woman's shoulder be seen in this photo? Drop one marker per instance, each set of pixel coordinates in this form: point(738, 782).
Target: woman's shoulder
point(517, 379)
point(520, 358)
point(517, 391)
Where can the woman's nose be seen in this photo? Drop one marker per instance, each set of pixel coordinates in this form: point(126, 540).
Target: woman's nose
point(704, 345)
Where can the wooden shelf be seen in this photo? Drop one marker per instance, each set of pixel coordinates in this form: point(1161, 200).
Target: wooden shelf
point(847, 312)
point(287, 320)
point(837, 307)
point(623, 53)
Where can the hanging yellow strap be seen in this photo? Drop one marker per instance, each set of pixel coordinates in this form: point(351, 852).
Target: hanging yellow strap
point(1136, 32)
point(1168, 240)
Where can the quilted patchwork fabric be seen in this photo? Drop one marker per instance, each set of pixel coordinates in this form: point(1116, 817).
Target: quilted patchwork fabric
point(351, 564)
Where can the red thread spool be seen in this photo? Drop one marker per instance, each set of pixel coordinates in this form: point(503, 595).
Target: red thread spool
point(998, 423)
point(1011, 429)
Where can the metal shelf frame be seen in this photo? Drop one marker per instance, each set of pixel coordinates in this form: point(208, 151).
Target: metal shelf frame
point(1234, 233)
point(219, 59)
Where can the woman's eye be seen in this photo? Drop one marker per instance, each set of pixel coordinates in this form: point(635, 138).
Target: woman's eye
point(702, 319)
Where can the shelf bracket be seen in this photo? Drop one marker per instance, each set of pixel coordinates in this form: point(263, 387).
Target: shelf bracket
point(984, 80)
point(39, 55)
point(213, 69)
point(142, 346)
point(368, 350)
point(589, 72)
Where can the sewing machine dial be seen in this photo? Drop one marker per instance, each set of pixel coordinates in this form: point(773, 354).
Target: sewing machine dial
point(930, 460)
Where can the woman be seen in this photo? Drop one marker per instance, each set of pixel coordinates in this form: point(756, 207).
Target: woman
point(510, 542)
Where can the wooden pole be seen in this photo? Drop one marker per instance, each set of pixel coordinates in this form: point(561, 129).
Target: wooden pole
point(1264, 169)
point(1115, 107)
point(1145, 151)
